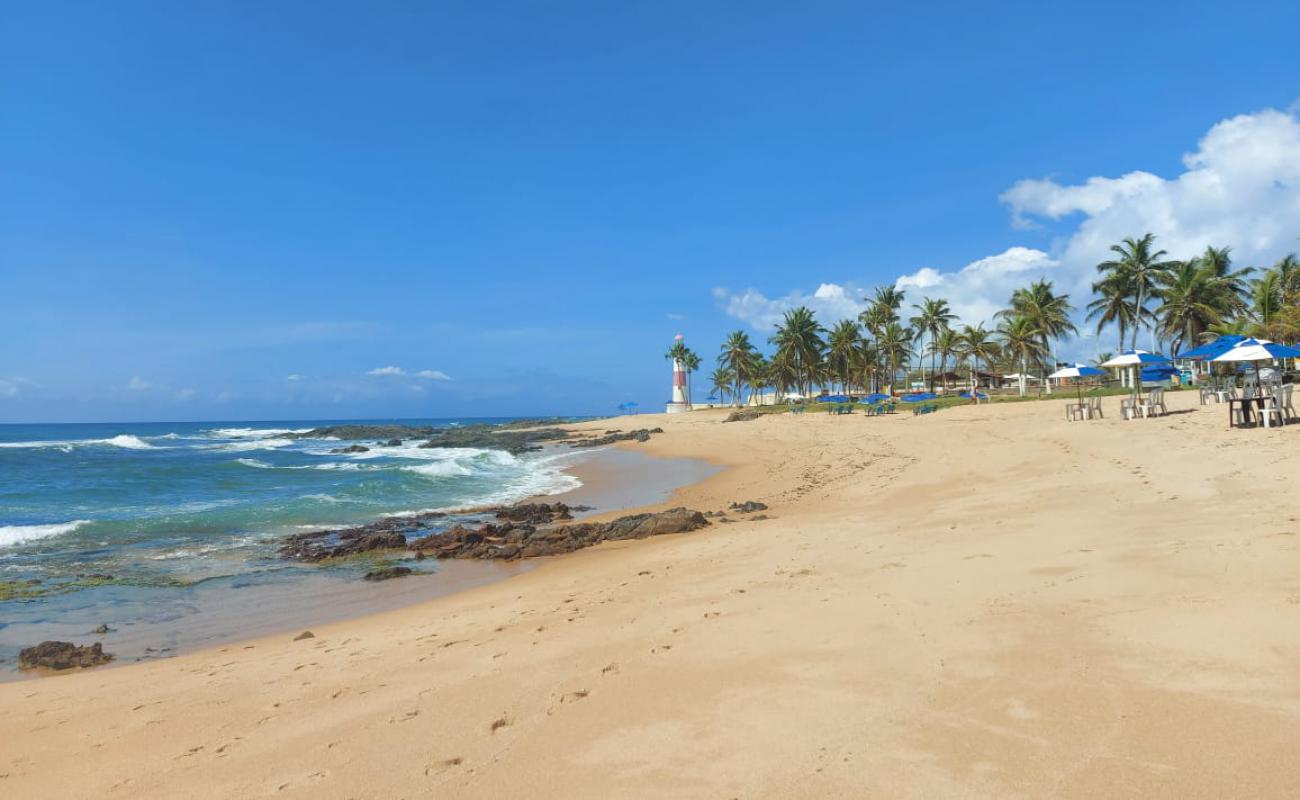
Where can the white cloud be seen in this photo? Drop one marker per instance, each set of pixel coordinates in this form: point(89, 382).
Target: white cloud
point(387, 371)
point(831, 302)
point(138, 384)
point(186, 394)
point(433, 375)
point(10, 387)
point(1240, 188)
point(294, 377)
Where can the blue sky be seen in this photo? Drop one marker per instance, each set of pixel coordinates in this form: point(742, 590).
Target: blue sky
point(241, 210)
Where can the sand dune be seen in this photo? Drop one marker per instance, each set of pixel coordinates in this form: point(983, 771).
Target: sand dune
point(984, 602)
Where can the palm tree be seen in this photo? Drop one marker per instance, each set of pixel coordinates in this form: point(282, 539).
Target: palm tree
point(1230, 283)
point(782, 372)
point(691, 361)
point(976, 347)
point(1191, 300)
point(1047, 312)
point(882, 309)
point(798, 339)
point(1112, 306)
point(932, 317)
point(722, 382)
point(740, 358)
point(895, 346)
point(945, 346)
point(1022, 342)
point(1288, 270)
point(842, 350)
point(1136, 271)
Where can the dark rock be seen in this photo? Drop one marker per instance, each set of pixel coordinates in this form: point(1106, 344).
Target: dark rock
point(102, 629)
point(63, 655)
point(387, 573)
point(304, 635)
point(538, 513)
point(748, 507)
point(393, 443)
point(352, 448)
point(760, 516)
point(494, 437)
point(743, 416)
point(638, 435)
point(509, 539)
point(363, 432)
point(320, 545)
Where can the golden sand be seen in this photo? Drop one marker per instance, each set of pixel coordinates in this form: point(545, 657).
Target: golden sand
point(984, 602)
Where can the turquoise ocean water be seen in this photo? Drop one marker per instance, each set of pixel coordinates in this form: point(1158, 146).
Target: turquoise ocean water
point(165, 507)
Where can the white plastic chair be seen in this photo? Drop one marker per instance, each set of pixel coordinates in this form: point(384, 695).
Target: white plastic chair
point(1273, 406)
point(1094, 408)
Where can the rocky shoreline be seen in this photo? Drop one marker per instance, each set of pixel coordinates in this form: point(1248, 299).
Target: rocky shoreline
point(521, 436)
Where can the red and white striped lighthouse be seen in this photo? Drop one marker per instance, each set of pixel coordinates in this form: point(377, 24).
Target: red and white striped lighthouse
point(679, 402)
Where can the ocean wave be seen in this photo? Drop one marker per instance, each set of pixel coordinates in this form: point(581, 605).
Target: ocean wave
point(124, 440)
point(20, 534)
point(244, 446)
point(253, 462)
point(252, 433)
point(322, 497)
point(439, 469)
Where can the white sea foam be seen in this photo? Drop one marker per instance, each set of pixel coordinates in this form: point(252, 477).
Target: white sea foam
point(253, 462)
point(19, 534)
point(125, 440)
point(439, 469)
point(252, 433)
point(245, 446)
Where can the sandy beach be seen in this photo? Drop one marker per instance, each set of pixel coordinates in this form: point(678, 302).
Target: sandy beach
point(984, 602)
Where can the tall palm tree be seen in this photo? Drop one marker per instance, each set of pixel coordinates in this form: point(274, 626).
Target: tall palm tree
point(1191, 300)
point(1232, 284)
point(932, 316)
point(798, 339)
point(975, 346)
point(722, 382)
point(895, 346)
point(1288, 270)
point(1136, 270)
point(882, 309)
point(1112, 306)
point(945, 346)
point(691, 361)
point(740, 357)
point(842, 350)
point(1022, 341)
point(782, 372)
point(1047, 312)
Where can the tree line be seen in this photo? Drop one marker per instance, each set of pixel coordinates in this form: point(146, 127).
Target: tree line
point(1180, 303)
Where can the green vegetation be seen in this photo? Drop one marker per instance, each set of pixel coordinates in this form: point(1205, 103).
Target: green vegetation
point(1181, 303)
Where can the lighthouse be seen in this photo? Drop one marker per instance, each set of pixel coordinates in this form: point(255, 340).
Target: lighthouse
point(679, 402)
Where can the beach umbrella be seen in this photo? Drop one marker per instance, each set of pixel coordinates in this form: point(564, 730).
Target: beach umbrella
point(1135, 358)
point(875, 398)
point(1210, 350)
point(1077, 370)
point(1257, 350)
point(919, 397)
point(833, 398)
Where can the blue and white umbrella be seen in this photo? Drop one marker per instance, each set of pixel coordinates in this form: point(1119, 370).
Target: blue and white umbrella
point(1257, 350)
point(1077, 370)
point(1134, 358)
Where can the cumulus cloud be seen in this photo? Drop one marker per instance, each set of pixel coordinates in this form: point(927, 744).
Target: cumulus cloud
point(433, 375)
point(1239, 188)
point(294, 377)
point(831, 302)
point(387, 371)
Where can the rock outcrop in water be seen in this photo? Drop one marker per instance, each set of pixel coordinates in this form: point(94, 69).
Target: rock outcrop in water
point(496, 437)
point(320, 545)
point(352, 448)
point(63, 655)
point(363, 432)
point(511, 540)
point(638, 435)
point(387, 573)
